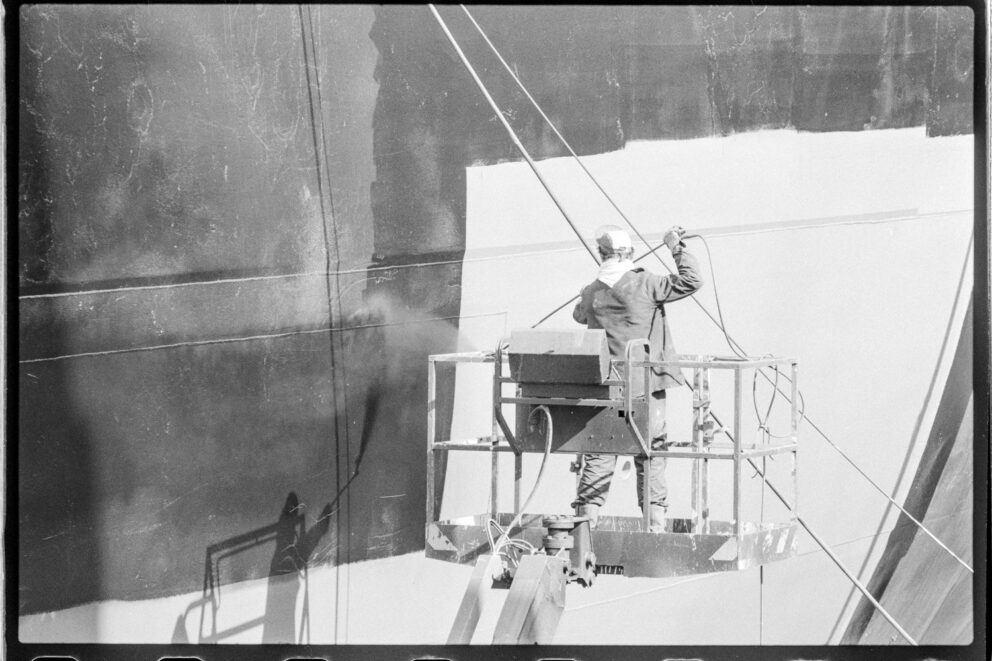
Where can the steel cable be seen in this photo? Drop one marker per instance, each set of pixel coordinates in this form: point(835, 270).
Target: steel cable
point(509, 129)
point(731, 342)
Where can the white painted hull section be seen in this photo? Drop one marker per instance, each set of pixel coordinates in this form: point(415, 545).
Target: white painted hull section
point(849, 251)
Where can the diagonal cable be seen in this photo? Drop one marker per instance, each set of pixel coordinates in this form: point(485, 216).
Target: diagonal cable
point(815, 537)
point(589, 174)
point(551, 124)
point(563, 305)
point(734, 345)
point(830, 553)
point(509, 129)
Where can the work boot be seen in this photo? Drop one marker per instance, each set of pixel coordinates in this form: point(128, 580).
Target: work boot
point(590, 511)
point(658, 516)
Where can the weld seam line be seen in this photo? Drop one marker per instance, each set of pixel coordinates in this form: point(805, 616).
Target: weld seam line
point(467, 260)
point(228, 340)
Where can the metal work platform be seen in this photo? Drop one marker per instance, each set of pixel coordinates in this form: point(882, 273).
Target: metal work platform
point(598, 405)
point(623, 547)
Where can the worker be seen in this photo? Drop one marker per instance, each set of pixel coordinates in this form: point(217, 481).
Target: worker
point(628, 302)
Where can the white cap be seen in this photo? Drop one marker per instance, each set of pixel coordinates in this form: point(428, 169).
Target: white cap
point(611, 238)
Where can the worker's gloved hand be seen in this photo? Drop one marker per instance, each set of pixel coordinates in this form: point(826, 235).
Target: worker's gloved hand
point(673, 237)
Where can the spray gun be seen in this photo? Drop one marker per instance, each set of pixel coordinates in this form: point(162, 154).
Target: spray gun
point(676, 235)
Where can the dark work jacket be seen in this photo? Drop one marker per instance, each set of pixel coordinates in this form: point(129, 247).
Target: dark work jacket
point(634, 308)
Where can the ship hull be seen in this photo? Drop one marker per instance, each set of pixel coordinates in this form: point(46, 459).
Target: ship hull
point(242, 231)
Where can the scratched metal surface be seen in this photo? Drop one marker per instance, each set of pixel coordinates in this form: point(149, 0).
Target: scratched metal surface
point(168, 194)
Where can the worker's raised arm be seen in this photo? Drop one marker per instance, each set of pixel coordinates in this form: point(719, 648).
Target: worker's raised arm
point(579, 312)
point(687, 281)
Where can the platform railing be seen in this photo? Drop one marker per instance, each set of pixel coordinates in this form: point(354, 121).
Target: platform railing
point(700, 450)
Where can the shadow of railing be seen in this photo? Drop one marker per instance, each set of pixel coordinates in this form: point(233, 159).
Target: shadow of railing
point(288, 569)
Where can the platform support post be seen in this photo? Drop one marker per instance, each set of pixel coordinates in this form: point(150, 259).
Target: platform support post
point(738, 456)
point(431, 431)
point(518, 474)
point(472, 604)
point(535, 602)
point(700, 439)
point(707, 439)
point(697, 444)
point(494, 456)
point(795, 439)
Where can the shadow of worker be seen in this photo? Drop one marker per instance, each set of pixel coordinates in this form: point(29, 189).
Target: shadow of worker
point(287, 573)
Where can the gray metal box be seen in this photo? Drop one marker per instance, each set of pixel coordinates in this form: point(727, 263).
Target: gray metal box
point(581, 429)
point(575, 356)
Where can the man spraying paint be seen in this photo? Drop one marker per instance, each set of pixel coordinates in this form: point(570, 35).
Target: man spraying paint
point(628, 302)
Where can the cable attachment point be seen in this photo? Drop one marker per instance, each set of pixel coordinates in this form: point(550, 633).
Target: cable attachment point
point(569, 535)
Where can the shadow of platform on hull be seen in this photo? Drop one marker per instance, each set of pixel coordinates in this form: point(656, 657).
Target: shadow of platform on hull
point(288, 573)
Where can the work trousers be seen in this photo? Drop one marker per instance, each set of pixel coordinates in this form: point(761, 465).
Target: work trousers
point(597, 472)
